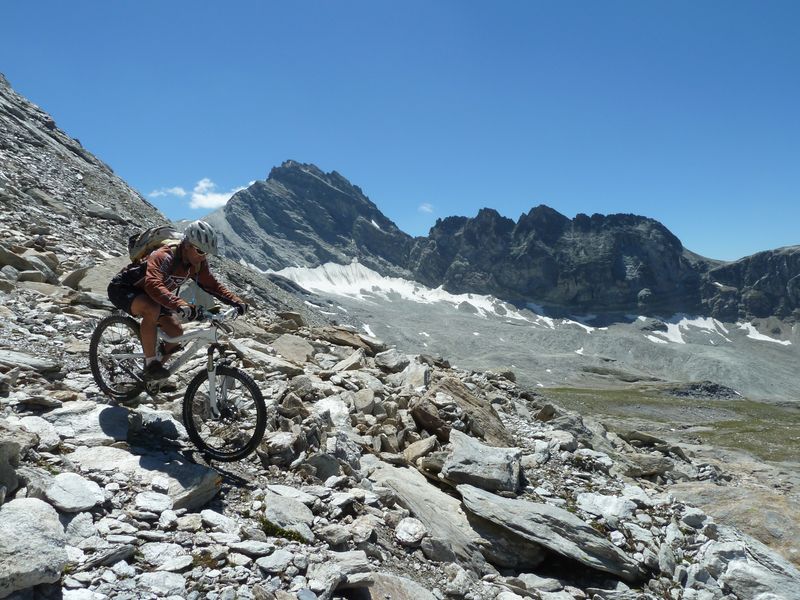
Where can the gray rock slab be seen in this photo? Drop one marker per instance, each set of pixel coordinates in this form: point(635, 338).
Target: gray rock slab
point(749, 568)
point(253, 548)
point(33, 275)
point(97, 277)
point(190, 486)
point(419, 449)
point(486, 467)
point(13, 442)
point(441, 514)
point(12, 359)
point(294, 348)
point(290, 514)
point(554, 528)
point(483, 418)
point(73, 493)
point(414, 376)
point(32, 549)
point(353, 362)
point(89, 423)
point(78, 527)
point(341, 570)
point(73, 278)
point(159, 553)
point(292, 492)
point(162, 583)
point(7, 257)
point(48, 436)
point(277, 562)
point(605, 506)
point(154, 502)
point(218, 522)
point(384, 585)
point(262, 360)
point(392, 361)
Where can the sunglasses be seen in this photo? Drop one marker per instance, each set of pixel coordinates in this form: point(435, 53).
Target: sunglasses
point(196, 249)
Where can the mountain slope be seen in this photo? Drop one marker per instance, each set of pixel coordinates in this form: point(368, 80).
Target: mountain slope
point(75, 207)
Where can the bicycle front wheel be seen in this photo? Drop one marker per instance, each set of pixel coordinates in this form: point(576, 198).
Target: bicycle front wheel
point(237, 427)
point(116, 357)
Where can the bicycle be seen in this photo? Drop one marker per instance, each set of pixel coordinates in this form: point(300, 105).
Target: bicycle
point(223, 409)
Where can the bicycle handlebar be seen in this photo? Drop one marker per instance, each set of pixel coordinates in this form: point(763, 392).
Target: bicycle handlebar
point(219, 317)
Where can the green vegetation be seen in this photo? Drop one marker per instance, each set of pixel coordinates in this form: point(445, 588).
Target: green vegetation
point(767, 431)
point(273, 530)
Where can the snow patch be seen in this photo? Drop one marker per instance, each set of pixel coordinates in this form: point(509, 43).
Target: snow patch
point(754, 334)
point(362, 283)
point(378, 227)
point(579, 351)
point(678, 324)
point(368, 330)
point(653, 338)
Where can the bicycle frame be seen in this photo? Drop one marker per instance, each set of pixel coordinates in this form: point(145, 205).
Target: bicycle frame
point(198, 338)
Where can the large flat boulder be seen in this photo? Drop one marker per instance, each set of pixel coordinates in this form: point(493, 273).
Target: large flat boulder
point(554, 528)
point(489, 468)
point(89, 423)
point(190, 486)
point(441, 514)
point(32, 544)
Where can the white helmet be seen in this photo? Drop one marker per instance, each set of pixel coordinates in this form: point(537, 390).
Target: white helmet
point(201, 235)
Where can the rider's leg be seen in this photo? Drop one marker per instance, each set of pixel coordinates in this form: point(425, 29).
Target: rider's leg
point(148, 309)
point(172, 327)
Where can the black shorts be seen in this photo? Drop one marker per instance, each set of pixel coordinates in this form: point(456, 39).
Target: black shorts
point(123, 295)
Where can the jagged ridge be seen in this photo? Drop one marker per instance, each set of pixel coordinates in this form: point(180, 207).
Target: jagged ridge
point(617, 263)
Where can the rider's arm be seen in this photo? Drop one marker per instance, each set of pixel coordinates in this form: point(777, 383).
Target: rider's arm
point(159, 267)
point(209, 283)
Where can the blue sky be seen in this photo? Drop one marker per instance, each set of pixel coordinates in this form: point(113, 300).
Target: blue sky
point(684, 111)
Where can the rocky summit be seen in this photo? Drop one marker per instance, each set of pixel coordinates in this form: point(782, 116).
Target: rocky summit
point(381, 475)
point(618, 264)
point(301, 216)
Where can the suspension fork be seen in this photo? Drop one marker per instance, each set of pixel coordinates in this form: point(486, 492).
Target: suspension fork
point(211, 367)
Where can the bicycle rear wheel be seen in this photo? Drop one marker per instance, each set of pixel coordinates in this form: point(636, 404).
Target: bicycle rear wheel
point(116, 357)
point(238, 428)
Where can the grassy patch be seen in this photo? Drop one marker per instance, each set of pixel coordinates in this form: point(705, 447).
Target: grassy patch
point(768, 431)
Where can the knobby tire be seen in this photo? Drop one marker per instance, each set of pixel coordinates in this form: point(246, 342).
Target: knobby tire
point(189, 409)
point(134, 388)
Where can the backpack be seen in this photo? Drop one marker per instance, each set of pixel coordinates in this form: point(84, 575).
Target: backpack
point(144, 242)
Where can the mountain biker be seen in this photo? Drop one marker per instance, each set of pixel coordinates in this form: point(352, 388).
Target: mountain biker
point(148, 289)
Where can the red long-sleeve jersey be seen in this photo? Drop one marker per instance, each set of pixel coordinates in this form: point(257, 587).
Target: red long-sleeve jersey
point(164, 273)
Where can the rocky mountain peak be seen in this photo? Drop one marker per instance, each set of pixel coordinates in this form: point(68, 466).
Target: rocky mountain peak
point(301, 216)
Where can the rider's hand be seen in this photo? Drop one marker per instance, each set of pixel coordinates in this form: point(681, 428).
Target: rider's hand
point(241, 308)
point(189, 312)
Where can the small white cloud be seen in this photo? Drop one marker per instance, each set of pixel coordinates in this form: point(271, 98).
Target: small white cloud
point(425, 207)
point(205, 196)
point(173, 191)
